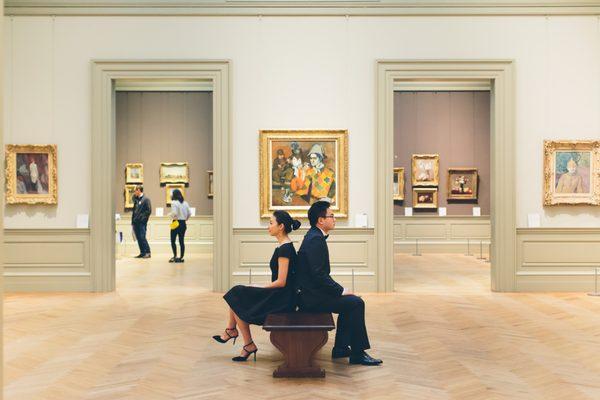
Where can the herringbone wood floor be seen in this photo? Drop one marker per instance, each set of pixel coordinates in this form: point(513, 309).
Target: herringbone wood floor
point(443, 335)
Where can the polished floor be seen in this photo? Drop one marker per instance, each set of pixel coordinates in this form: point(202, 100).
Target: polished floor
point(442, 335)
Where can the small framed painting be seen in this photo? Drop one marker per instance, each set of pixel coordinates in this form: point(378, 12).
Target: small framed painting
point(210, 183)
point(31, 174)
point(425, 198)
point(462, 183)
point(174, 172)
point(134, 173)
point(425, 169)
point(129, 189)
point(169, 187)
point(571, 172)
point(398, 185)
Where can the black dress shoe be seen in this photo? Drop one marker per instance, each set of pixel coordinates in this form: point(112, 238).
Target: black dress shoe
point(340, 352)
point(364, 359)
point(139, 256)
point(147, 255)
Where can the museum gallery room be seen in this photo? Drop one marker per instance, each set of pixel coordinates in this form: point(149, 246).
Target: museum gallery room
point(300, 199)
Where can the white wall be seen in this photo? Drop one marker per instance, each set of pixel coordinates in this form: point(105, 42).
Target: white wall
point(298, 73)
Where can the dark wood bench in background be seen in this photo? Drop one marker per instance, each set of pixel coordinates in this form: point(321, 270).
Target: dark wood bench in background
point(299, 336)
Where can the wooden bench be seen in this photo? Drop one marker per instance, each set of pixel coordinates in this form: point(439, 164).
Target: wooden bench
point(299, 336)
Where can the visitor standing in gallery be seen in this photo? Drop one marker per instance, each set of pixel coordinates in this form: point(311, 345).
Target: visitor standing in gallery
point(142, 208)
point(180, 213)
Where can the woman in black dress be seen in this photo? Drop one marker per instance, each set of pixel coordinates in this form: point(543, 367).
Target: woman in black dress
point(251, 305)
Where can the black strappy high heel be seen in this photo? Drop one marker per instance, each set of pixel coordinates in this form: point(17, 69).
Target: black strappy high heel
point(219, 339)
point(244, 358)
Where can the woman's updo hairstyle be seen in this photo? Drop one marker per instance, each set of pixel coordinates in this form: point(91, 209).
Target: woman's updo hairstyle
point(289, 224)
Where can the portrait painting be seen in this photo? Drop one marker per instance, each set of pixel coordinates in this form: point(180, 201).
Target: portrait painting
point(425, 169)
point(572, 172)
point(211, 192)
point(298, 168)
point(462, 183)
point(169, 191)
point(425, 198)
point(31, 174)
point(129, 193)
point(134, 173)
point(177, 172)
point(398, 184)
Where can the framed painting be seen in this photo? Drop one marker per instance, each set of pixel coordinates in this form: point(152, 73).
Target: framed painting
point(211, 192)
point(31, 174)
point(128, 192)
point(298, 168)
point(571, 172)
point(398, 187)
point(425, 198)
point(134, 173)
point(174, 172)
point(169, 187)
point(425, 170)
point(462, 183)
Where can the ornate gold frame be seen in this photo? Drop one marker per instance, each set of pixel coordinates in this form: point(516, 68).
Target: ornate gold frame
point(209, 183)
point(128, 166)
point(550, 197)
point(12, 197)
point(168, 186)
point(436, 169)
point(465, 171)
point(341, 137)
point(416, 204)
point(400, 173)
point(128, 205)
point(163, 179)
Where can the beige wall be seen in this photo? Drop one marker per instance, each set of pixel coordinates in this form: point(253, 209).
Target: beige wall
point(155, 127)
point(455, 125)
point(325, 80)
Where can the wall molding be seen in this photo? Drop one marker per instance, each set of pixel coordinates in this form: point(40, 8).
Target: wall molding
point(39, 260)
point(352, 253)
point(300, 8)
point(557, 259)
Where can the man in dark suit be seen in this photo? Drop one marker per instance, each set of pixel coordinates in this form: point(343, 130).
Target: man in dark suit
point(318, 292)
point(142, 209)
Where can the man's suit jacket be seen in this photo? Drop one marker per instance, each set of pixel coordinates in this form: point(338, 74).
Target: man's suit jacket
point(314, 284)
point(142, 209)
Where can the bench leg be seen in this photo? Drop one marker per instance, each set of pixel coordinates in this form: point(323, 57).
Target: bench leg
point(299, 349)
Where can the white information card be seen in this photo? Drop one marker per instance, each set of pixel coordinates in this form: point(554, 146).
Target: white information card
point(83, 221)
point(160, 211)
point(408, 211)
point(477, 211)
point(534, 220)
point(360, 220)
point(193, 211)
point(442, 211)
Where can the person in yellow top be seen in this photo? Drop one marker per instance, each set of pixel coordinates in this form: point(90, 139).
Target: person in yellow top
point(570, 182)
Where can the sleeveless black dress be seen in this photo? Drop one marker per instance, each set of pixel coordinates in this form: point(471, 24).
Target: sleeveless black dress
point(253, 304)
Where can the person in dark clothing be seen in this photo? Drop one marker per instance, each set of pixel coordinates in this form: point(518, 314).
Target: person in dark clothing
point(318, 292)
point(251, 305)
point(142, 209)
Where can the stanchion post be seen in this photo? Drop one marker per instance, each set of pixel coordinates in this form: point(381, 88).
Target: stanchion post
point(595, 293)
point(417, 248)
point(468, 247)
point(489, 256)
point(480, 250)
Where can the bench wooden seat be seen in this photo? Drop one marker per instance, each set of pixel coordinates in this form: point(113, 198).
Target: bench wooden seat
point(299, 336)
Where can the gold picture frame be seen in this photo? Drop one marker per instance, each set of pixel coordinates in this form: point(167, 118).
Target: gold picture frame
point(211, 192)
point(462, 183)
point(128, 192)
point(31, 174)
point(134, 173)
point(299, 167)
point(174, 172)
point(398, 184)
point(169, 187)
point(425, 198)
point(571, 172)
point(425, 170)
